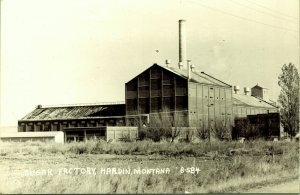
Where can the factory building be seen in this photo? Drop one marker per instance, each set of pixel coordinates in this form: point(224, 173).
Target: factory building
point(186, 98)
point(158, 89)
point(179, 94)
point(191, 98)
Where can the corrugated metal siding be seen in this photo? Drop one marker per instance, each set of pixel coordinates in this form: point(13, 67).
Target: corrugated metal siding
point(209, 104)
point(118, 133)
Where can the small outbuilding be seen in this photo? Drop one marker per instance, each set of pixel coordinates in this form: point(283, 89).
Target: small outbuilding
point(107, 133)
point(55, 136)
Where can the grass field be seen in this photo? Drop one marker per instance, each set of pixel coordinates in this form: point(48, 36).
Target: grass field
point(221, 166)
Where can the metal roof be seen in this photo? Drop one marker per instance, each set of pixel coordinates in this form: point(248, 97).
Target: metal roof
point(246, 100)
point(196, 76)
point(259, 87)
point(75, 112)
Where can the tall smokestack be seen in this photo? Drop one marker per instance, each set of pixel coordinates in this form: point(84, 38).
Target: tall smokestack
point(182, 45)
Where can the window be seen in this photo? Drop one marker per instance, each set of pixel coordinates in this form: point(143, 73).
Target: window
point(111, 123)
point(30, 127)
point(92, 124)
point(63, 126)
point(47, 127)
point(168, 103)
point(155, 104)
point(38, 127)
point(22, 128)
point(155, 73)
point(144, 105)
point(120, 122)
point(155, 84)
point(72, 124)
point(167, 77)
point(82, 124)
point(55, 128)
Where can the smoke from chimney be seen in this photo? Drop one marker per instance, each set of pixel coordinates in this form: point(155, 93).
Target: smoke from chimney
point(182, 45)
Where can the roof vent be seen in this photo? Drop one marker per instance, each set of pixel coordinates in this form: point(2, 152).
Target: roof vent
point(168, 62)
point(39, 106)
point(180, 65)
point(246, 90)
point(193, 67)
point(236, 89)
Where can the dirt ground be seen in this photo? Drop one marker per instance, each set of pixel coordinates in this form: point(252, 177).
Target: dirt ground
point(287, 187)
point(26, 168)
point(16, 163)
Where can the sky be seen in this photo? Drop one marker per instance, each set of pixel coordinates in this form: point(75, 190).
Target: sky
point(84, 51)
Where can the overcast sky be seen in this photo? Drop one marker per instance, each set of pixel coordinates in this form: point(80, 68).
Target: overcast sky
point(83, 51)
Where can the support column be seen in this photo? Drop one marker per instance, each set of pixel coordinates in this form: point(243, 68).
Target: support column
point(65, 136)
point(85, 138)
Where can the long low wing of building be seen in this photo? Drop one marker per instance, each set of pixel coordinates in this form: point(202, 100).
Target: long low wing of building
point(56, 118)
point(246, 104)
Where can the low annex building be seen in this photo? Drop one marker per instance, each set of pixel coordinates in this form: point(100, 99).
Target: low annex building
point(56, 136)
point(78, 122)
point(57, 118)
point(246, 104)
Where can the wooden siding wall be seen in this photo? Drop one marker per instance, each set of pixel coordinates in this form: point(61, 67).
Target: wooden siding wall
point(265, 125)
point(156, 90)
point(119, 133)
point(107, 133)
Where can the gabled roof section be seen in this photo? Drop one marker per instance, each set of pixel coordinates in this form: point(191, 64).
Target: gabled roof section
point(194, 77)
point(197, 77)
point(245, 100)
point(74, 112)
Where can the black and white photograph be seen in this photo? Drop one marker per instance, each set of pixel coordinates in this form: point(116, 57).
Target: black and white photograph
point(149, 96)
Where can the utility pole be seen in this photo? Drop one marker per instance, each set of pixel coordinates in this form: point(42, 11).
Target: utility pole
point(208, 124)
